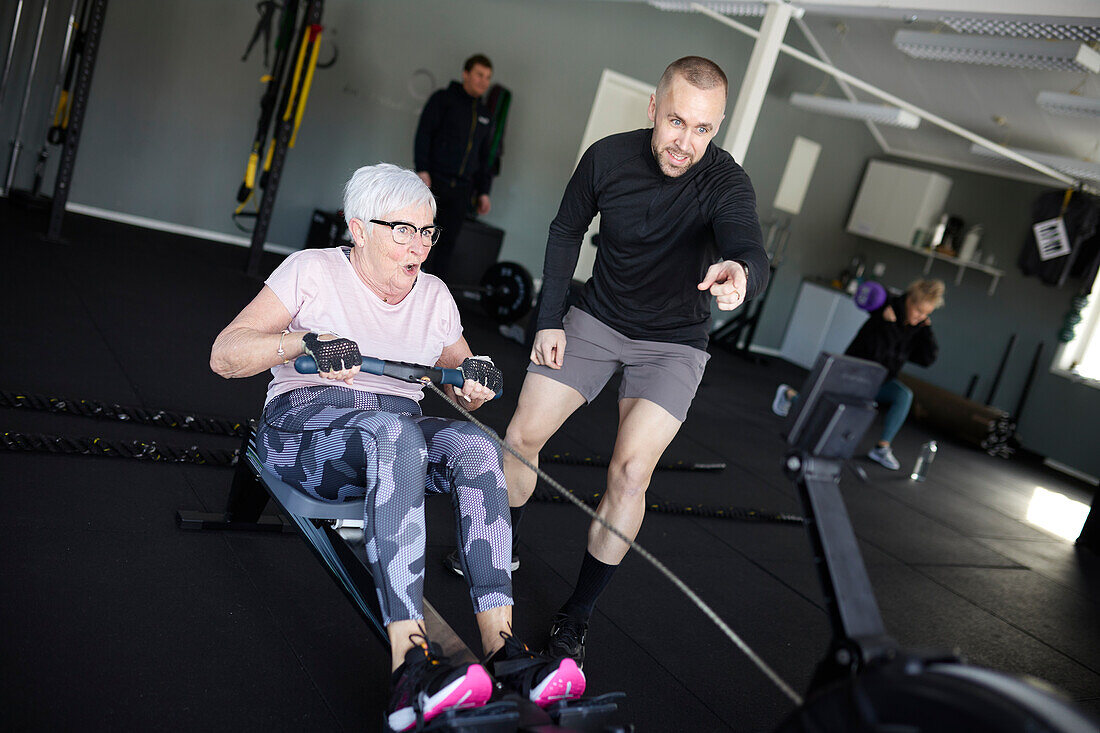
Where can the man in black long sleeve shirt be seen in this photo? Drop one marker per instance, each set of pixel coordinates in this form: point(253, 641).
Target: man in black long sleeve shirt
point(451, 155)
point(678, 227)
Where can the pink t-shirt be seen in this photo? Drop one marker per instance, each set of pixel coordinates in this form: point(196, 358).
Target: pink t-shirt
point(323, 293)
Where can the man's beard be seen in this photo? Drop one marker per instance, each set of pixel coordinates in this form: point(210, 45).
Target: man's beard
point(667, 168)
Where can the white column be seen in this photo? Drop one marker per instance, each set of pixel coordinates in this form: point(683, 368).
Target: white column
point(757, 77)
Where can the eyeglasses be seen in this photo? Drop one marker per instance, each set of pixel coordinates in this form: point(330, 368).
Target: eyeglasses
point(403, 231)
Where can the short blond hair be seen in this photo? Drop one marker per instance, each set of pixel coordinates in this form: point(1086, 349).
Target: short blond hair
point(927, 291)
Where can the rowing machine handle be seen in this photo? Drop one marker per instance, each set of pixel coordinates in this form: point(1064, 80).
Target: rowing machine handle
point(397, 369)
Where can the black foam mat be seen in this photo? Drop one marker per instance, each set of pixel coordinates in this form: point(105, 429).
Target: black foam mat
point(115, 618)
point(923, 613)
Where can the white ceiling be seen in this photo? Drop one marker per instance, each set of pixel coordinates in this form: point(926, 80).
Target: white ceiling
point(994, 102)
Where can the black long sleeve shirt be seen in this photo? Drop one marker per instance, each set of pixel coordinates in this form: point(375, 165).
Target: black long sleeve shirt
point(453, 138)
point(892, 343)
point(658, 236)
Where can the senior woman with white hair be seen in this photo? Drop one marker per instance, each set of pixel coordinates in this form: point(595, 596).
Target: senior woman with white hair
point(343, 433)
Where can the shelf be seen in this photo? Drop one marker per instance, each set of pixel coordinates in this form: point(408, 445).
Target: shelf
point(929, 256)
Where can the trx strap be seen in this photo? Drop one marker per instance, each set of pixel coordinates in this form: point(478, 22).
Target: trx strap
point(273, 168)
point(60, 126)
point(71, 30)
point(291, 92)
point(295, 92)
point(266, 9)
point(92, 33)
point(272, 82)
point(315, 46)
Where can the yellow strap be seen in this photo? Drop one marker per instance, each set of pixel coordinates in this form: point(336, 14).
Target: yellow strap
point(62, 109)
point(240, 208)
point(270, 155)
point(243, 204)
point(1065, 201)
point(249, 180)
point(297, 75)
point(305, 87)
point(250, 171)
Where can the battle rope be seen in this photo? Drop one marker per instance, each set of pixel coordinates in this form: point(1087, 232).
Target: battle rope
point(110, 411)
point(672, 507)
point(136, 449)
point(161, 453)
point(240, 428)
point(568, 459)
point(672, 577)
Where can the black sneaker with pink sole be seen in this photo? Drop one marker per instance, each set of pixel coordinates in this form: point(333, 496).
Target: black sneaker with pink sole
point(427, 685)
point(538, 677)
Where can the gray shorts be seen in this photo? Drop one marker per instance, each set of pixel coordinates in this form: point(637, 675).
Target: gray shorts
point(663, 373)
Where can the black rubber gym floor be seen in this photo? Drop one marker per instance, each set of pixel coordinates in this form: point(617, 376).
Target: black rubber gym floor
point(115, 619)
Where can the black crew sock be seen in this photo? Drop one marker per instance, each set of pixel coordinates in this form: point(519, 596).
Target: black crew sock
point(517, 517)
point(592, 579)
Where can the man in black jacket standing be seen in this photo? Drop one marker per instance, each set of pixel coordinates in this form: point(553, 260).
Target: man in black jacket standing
point(451, 155)
point(678, 231)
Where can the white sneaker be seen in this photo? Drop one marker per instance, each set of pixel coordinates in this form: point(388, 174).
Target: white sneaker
point(781, 405)
point(885, 456)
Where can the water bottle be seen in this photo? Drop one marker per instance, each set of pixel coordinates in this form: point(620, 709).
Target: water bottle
point(927, 454)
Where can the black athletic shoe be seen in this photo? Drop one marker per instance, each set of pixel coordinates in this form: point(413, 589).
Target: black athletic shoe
point(537, 677)
point(452, 563)
point(427, 684)
point(567, 634)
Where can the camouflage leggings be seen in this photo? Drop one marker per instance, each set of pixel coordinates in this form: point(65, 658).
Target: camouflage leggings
point(339, 444)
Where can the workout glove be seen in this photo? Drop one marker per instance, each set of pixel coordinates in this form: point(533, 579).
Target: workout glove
point(481, 369)
point(332, 356)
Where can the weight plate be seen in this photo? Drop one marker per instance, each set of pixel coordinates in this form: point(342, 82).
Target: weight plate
point(507, 291)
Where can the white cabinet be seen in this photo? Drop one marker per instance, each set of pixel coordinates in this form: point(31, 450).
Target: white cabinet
point(824, 319)
point(894, 201)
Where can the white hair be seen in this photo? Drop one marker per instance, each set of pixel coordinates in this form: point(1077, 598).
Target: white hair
point(377, 190)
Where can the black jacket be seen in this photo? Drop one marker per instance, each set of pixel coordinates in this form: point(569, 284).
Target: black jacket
point(453, 138)
point(1082, 220)
point(892, 343)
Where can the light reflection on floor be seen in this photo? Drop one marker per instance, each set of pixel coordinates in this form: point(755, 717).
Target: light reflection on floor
point(1056, 513)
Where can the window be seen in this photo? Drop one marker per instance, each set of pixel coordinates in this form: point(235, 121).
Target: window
point(1081, 356)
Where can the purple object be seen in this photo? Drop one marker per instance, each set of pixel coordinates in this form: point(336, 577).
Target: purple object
point(870, 295)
